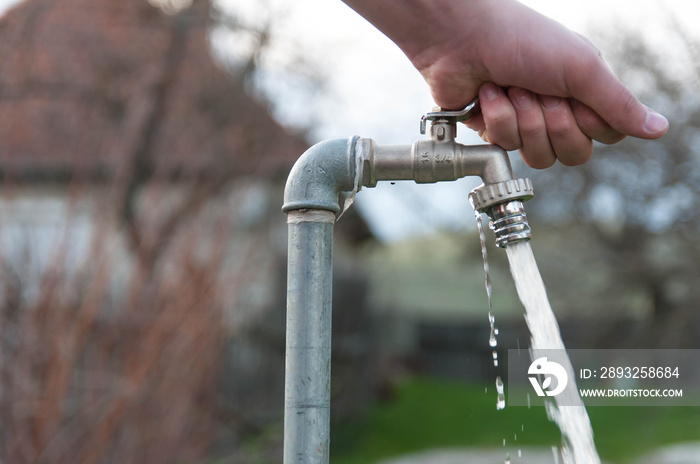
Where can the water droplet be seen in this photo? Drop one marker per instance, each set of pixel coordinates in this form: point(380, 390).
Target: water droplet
point(492, 335)
point(507, 458)
point(520, 453)
point(522, 427)
point(501, 400)
point(515, 437)
point(528, 401)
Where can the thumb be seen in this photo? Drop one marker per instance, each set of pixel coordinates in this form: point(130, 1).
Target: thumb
point(601, 90)
point(452, 92)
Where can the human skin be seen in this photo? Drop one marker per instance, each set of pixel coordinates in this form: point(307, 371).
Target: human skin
point(543, 89)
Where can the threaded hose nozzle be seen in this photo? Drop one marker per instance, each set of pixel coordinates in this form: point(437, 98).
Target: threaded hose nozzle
point(503, 202)
point(509, 223)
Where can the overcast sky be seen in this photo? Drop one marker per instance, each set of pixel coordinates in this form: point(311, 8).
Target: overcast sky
point(4, 4)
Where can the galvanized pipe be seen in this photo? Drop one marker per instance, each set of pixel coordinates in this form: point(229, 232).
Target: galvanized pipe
point(312, 198)
point(308, 361)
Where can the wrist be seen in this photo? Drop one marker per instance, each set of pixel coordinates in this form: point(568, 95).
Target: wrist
point(452, 28)
point(417, 25)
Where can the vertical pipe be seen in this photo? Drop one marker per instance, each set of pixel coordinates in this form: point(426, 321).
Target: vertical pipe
point(308, 358)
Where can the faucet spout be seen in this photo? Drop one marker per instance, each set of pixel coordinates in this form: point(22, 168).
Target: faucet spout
point(429, 161)
point(501, 195)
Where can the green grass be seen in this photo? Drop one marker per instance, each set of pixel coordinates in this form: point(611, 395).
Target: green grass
point(622, 433)
point(429, 413)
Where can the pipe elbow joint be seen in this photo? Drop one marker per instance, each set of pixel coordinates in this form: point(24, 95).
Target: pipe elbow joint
point(320, 175)
point(499, 185)
point(495, 166)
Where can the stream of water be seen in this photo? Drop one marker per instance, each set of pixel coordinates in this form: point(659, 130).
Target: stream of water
point(578, 446)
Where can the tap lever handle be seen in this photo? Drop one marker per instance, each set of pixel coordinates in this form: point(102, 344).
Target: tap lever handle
point(471, 110)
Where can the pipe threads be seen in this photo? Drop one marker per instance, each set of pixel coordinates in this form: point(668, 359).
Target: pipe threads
point(509, 223)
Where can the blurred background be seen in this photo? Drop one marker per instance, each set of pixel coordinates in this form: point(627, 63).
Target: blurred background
point(144, 147)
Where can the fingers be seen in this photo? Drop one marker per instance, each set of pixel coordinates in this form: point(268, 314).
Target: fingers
point(499, 116)
point(544, 128)
point(571, 145)
point(593, 125)
point(536, 150)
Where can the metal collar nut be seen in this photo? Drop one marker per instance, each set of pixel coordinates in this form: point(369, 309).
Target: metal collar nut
point(485, 196)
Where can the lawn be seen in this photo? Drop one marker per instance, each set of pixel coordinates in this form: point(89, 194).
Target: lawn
point(427, 413)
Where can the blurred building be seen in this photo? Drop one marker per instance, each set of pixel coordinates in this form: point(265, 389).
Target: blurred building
point(113, 110)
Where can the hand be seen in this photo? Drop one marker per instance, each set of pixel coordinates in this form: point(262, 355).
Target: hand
point(543, 127)
point(543, 89)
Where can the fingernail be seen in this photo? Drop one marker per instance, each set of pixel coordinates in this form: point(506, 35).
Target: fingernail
point(549, 101)
point(655, 122)
point(490, 91)
point(522, 98)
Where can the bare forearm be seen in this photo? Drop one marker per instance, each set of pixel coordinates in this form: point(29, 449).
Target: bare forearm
point(403, 21)
point(418, 25)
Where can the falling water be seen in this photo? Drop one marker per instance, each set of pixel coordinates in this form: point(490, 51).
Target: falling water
point(578, 446)
point(485, 256)
point(493, 342)
point(555, 454)
point(501, 400)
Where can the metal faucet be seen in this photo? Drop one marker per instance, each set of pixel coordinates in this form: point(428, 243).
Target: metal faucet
point(501, 200)
point(317, 189)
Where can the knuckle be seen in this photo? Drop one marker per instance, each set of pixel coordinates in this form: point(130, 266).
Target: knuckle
point(610, 138)
point(576, 160)
point(630, 104)
point(560, 129)
point(509, 144)
point(577, 154)
point(530, 131)
point(538, 159)
point(505, 140)
point(542, 163)
point(500, 117)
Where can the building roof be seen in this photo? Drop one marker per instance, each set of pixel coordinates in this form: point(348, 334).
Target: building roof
point(88, 86)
